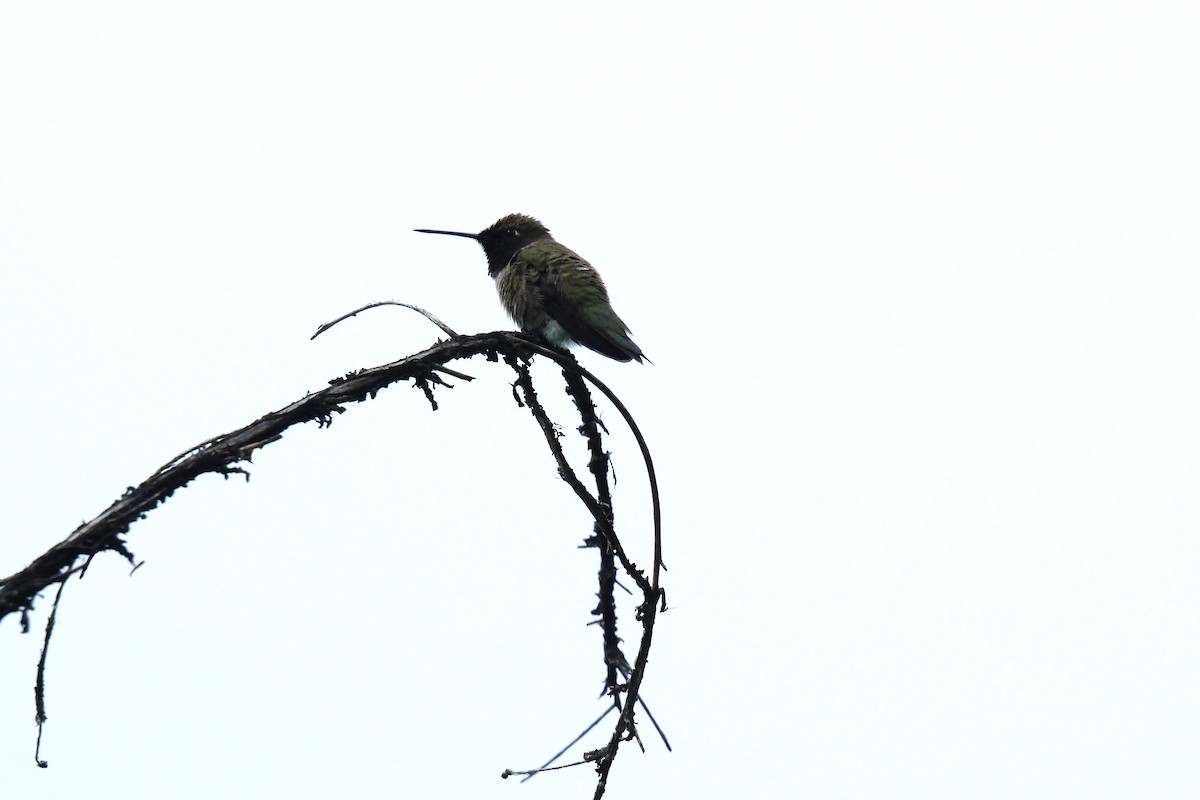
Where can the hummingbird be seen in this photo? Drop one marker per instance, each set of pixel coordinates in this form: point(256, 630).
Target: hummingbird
point(549, 290)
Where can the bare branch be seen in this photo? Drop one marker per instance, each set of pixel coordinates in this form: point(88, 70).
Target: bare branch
point(221, 454)
point(445, 328)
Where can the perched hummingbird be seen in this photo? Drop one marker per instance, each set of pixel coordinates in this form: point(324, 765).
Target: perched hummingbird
point(549, 290)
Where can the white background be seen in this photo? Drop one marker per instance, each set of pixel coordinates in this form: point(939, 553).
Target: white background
point(920, 285)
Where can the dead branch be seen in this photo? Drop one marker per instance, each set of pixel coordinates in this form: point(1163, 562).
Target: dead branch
point(222, 455)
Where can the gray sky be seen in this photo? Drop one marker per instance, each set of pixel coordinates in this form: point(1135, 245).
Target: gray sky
point(920, 286)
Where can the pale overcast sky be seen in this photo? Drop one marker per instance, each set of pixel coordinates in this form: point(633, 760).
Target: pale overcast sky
point(920, 285)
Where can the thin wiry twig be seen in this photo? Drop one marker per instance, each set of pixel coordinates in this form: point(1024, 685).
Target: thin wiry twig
point(39, 687)
point(529, 773)
point(445, 328)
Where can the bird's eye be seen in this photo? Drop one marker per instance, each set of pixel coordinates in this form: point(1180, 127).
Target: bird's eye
point(512, 232)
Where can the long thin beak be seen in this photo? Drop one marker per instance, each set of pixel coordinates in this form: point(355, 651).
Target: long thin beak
point(474, 236)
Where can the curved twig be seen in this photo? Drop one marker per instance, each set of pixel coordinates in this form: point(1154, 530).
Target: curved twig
point(445, 328)
point(567, 361)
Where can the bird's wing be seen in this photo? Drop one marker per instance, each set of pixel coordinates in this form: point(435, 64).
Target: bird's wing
point(587, 315)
